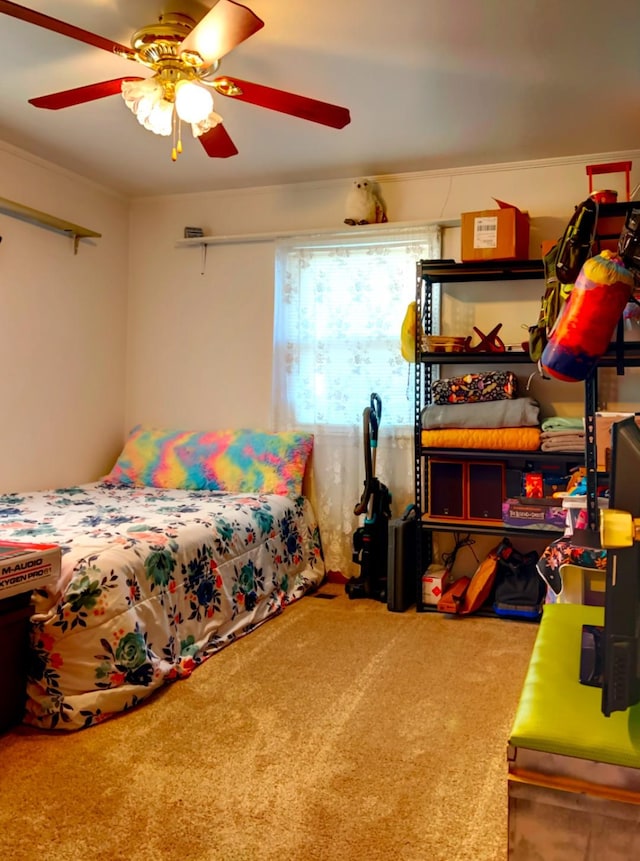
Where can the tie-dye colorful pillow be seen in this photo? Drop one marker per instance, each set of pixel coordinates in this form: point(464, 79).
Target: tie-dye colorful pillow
point(236, 461)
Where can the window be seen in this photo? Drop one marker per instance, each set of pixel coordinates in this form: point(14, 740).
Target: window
point(340, 303)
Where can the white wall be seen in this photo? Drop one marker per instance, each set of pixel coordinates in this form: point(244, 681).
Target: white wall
point(200, 345)
point(62, 329)
point(130, 330)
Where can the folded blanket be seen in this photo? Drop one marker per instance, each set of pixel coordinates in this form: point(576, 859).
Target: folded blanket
point(558, 436)
point(562, 441)
point(562, 423)
point(519, 412)
point(562, 445)
point(508, 439)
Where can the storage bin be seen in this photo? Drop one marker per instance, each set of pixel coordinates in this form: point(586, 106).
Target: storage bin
point(582, 586)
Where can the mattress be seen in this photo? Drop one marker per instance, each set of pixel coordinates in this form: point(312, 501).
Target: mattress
point(153, 582)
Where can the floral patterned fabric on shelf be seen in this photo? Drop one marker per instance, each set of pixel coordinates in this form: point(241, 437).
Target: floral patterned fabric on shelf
point(564, 552)
point(475, 388)
point(153, 582)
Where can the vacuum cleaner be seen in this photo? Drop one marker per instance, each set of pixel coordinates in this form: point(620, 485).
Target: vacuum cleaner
point(370, 541)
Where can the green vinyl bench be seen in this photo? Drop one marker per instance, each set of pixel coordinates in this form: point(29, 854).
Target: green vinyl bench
point(573, 774)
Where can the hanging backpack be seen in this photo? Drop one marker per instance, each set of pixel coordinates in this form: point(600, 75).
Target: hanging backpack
point(555, 295)
point(577, 241)
point(562, 265)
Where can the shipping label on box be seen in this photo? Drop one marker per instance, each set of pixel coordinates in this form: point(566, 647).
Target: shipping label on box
point(24, 567)
point(495, 234)
point(485, 231)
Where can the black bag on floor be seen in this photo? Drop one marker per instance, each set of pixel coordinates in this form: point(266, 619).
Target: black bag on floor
point(519, 589)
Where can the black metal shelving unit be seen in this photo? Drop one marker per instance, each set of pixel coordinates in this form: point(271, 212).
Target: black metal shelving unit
point(620, 355)
point(432, 274)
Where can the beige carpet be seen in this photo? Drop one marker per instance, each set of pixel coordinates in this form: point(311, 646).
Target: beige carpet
point(336, 731)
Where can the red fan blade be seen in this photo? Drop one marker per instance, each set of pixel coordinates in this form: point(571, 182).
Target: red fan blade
point(221, 29)
point(217, 143)
point(49, 23)
point(79, 95)
point(286, 103)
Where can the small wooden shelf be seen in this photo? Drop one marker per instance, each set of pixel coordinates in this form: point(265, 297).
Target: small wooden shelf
point(341, 230)
point(203, 242)
point(49, 222)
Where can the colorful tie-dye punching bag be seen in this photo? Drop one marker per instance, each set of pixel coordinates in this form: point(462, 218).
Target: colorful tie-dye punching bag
point(585, 327)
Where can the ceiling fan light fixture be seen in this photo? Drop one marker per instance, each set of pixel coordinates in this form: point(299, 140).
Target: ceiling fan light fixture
point(206, 124)
point(145, 99)
point(193, 102)
point(181, 55)
point(134, 91)
point(159, 120)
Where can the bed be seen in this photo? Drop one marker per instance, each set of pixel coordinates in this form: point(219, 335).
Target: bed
point(154, 578)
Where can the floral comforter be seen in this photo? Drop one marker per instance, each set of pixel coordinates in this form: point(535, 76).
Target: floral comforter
point(153, 582)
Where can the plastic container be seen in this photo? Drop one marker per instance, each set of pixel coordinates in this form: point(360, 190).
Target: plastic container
point(582, 586)
point(576, 508)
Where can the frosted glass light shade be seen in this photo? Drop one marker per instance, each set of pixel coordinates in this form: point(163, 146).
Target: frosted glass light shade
point(193, 102)
point(145, 99)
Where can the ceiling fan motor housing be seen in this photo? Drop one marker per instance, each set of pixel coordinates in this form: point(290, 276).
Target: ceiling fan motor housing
point(159, 44)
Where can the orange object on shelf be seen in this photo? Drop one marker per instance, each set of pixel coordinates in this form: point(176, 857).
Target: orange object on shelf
point(610, 167)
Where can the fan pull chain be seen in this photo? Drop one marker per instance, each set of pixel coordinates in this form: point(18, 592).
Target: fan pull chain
point(177, 138)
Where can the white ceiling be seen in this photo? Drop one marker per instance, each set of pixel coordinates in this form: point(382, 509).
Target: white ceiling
point(430, 84)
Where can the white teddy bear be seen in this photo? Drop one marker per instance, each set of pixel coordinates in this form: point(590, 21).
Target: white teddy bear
point(363, 206)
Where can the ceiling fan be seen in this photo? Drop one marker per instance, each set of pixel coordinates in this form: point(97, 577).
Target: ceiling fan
point(183, 55)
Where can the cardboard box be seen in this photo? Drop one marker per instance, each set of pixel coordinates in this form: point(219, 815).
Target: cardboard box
point(495, 234)
point(540, 513)
point(24, 566)
point(433, 585)
point(604, 421)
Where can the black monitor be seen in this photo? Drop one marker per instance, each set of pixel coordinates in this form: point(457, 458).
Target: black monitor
point(621, 635)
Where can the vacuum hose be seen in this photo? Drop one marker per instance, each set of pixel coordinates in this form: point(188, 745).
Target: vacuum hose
point(370, 425)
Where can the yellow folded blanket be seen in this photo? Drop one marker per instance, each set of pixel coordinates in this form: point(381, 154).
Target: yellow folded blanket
point(513, 439)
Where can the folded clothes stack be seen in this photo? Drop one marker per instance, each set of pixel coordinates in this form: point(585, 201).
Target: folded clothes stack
point(481, 411)
point(519, 412)
point(562, 434)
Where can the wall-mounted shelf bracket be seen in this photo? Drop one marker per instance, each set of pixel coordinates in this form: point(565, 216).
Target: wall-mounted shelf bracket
point(49, 222)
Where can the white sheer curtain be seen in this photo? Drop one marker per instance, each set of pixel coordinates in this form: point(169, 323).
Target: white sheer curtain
point(340, 302)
